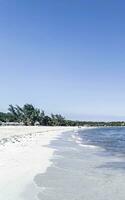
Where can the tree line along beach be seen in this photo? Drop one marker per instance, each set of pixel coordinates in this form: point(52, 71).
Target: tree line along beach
point(30, 115)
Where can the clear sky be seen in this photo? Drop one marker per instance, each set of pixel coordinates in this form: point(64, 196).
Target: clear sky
point(65, 56)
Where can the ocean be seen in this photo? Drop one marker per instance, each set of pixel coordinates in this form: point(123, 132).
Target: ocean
point(111, 140)
point(87, 164)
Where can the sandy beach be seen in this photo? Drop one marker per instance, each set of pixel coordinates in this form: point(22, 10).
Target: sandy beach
point(62, 163)
point(24, 152)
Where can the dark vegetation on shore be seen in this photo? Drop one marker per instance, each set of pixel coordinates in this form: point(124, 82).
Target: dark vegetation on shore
point(30, 115)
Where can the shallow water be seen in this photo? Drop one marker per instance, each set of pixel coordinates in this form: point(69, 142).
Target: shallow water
point(86, 165)
point(111, 140)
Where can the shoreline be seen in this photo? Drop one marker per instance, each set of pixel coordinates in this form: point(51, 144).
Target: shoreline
point(24, 153)
point(81, 173)
point(44, 162)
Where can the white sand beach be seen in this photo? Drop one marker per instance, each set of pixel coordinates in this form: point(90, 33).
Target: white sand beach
point(41, 163)
point(23, 154)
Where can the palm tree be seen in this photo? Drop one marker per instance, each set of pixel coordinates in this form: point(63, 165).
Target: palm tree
point(57, 120)
point(27, 114)
point(47, 121)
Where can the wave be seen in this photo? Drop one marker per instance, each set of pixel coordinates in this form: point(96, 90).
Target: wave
point(79, 141)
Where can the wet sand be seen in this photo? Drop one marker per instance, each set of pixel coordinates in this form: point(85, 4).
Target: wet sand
point(24, 152)
point(80, 172)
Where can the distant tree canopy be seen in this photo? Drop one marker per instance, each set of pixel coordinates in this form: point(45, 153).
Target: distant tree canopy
point(6, 117)
point(30, 115)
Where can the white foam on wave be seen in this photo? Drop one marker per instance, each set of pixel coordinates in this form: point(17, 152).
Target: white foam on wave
point(89, 146)
point(79, 141)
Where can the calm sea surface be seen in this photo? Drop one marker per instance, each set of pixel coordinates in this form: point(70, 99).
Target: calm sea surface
point(110, 139)
point(87, 165)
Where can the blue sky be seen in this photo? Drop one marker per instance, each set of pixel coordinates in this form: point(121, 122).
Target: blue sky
point(64, 56)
